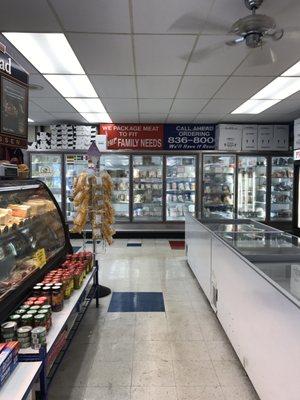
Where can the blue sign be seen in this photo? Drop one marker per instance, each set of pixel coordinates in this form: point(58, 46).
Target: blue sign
point(189, 137)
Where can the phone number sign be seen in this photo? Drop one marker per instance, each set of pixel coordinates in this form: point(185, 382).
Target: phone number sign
point(189, 137)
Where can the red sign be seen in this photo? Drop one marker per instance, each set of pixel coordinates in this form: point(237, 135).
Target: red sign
point(133, 136)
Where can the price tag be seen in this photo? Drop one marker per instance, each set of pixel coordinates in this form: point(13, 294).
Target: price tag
point(40, 257)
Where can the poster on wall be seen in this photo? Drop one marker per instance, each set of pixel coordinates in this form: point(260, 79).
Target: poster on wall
point(133, 136)
point(189, 137)
point(13, 109)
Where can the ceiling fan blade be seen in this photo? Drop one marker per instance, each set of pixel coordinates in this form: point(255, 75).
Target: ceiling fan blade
point(234, 42)
point(292, 32)
point(261, 56)
point(201, 54)
point(277, 35)
point(189, 22)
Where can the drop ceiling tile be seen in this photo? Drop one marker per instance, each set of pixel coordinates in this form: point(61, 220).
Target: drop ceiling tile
point(93, 15)
point(153, 118)
point(221, 106)
point(287, 53)
point(295, 97)
point(219, 60)
point(160, 54)
point(284, 107)
point(208, 118)
point(27, 16)
point(120, 105)
point(47, 89)
point(223, 14)
point(181, 118)
point(68, 117)
point(271, 118)
point(124, 118)
point(114, 86)
point(188, 105)
point(103, 53)
point(33, 108)
point(54, 105)
point(41, 117)
point(158, 16)
point(242, 87)
point(157, 86)
point(150, 106)
point(199, 87)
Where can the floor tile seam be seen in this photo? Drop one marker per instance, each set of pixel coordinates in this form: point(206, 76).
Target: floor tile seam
point(132, 363)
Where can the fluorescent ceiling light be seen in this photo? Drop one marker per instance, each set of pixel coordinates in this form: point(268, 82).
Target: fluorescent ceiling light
point(293, 71)
point(280, 88)
point(87, 105)
point(254, 106)
point(30, 120)
point(72, 85)
point(50, 53)
point(96, 117)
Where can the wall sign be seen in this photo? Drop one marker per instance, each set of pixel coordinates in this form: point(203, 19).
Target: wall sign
point(133, 136)
point(189, 137)
point(13, 102)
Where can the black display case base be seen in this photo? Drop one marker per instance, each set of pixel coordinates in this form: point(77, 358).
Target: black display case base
point(103, 291)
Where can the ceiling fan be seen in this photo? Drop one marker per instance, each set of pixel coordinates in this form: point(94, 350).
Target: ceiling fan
point(254, 31)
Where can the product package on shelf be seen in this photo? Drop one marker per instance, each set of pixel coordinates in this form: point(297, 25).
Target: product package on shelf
point(92, 200)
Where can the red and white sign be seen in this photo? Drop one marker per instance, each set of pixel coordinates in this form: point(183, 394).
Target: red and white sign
point(133, 136)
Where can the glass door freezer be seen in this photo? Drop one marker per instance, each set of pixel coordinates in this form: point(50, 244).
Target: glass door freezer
point(48, 168)
point(282, 176)
point(218, 197)
point(74, 165)
point(180, 186)
point(252, 187)
point(147, 188)
point(118, 167)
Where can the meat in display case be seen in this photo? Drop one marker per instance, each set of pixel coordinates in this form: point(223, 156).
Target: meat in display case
point(180, 186)
point(147, 188)
point(32, 235)
point(117, 165)
point(74, 165)
point(48, 168)
point(252, 187)
point(282, 176)
point(218, 186)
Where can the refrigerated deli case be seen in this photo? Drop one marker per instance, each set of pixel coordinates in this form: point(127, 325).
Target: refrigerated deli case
point(249, 273)
point(33, 238)
point(156, 188)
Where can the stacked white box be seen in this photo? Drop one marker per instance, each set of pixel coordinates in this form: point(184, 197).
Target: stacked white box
point(249, 139)
point(281, 137)
point(265, 135)
point(229, 137)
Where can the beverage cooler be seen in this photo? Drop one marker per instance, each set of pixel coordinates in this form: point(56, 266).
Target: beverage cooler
point(158, 188)
point(48, 168)
point(118, 166)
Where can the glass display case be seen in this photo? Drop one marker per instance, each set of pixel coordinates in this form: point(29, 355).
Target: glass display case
point(180, 186)
point(32, 233)
point(48, 168)
point(147, 188)
point(282, 175)
point(245, 225)
point(218, 186)
point(252, 187)
point(118, 168)
point(74, 165)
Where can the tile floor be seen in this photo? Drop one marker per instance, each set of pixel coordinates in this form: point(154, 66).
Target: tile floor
point(179, 354)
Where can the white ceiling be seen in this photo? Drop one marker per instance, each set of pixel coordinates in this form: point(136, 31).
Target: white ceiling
point(140, 63)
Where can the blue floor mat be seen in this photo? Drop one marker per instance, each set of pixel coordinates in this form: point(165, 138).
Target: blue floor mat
point(76, 248)
point(134, 244)
point(137, 302)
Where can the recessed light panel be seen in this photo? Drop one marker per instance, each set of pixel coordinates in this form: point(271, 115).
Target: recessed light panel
point(50, 53)
point(72, 85)
point(279, 89)
point(97, 117)
point(87, 105)
point(254, 106)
